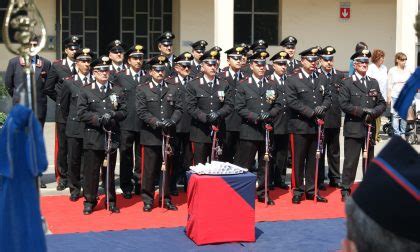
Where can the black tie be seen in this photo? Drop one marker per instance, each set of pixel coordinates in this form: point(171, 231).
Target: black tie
point(185, 80)
point(292, 64)
point(136, 78)
point(118, 69)
point(85, 80)
point(329, 75)
point(73, 68)
point(260, 84)
point(363, 81)
point(210, 84)
point(235, 77)
point(103, 89)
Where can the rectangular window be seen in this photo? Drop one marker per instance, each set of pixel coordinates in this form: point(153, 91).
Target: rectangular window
point(255, 20)
point(3, 9)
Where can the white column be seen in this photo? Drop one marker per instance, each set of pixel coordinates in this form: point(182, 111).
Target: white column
point(406, 39)
point(223, 26)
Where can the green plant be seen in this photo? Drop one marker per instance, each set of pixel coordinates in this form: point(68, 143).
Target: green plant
point(3, 117)
point(3, 89)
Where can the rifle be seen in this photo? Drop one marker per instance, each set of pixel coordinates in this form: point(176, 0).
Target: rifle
point(166, 151)
point(267, 155)
point(319, 150)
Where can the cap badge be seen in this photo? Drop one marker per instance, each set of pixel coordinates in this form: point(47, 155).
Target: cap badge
point(314, 50)
point(105, 60)
point(365, 52)
point(161, 59)
point(283, 54)
point(187, 56)
point(86, 51)
point(213, 54)
point(263, 55)
point(239, 49)
point(138, 48)
point(117, 42)
point(330, 50)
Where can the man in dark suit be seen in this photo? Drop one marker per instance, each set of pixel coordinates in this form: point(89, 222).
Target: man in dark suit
point(332, 121)
point(362, 102)
point(256, 104)
point(308, 98)
point(198, 48)
point(74, 127)
point(164, 44)
point(289, 46)
point(232, 75)
point(15, 82)
point(258, 45)
point(160, 108)
point(208, 101)
point(130, 126)
point(101, 106)
point(116, 50)
point(60, 70)
point(182, 147)
point(281, 134)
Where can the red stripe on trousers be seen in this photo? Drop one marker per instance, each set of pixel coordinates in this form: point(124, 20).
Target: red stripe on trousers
point(57, 174)
point(292, 151)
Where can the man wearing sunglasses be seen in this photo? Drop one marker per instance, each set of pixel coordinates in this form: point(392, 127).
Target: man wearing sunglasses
point(280, 122)
point(129, 80)
point(232, 75)
point(308, 98)
point(164, 44)
point(74, 127)
point(116, 51)
point(289, 46)
point(182, 146)
point(101, 106)
point(362, 102)
point(198, 48)
point(257, 105)
point(208, 101)
point(160, 108)
point(332, 121)
point(60, 70)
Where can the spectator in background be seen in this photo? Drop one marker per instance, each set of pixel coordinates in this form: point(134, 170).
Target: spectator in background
point(378, 70)
point(359, 46)
point(397, 77)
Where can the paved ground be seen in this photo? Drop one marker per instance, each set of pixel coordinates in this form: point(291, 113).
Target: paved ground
point(49, 176)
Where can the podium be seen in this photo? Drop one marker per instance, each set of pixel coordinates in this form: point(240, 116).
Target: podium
point(221, 208)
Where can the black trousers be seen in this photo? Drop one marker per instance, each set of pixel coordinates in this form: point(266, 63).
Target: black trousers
point(230, 146)
point(332, 151)
point(62, 165)
point(128, 140)
point(93, 160)
point(245, 157)
point(303, 163)
point(280, 150)
point(75, 153)
point(201, 151)
point(152, 164)
point(182, 157)
point(352, 148)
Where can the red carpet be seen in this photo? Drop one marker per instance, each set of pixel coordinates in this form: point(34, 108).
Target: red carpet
point(64, 216)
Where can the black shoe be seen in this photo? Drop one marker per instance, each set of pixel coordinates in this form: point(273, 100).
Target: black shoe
point(345, 194)
point(137, 189)
point(88, 209)
point(322, 187)
point(168, 205)
point(318, 198)
point(43, 185)
point(74, 197)
point(147, 207)
point(127, 195)
point(335, 184)
point(296, 199)
point(270, 202)
point(113, 207)
point(61, 186)
point(271, 186)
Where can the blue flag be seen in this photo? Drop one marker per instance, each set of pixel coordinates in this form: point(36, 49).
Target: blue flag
point(406, 97)
point(22, 159)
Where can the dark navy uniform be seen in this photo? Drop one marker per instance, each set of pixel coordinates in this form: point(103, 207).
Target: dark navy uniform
point(94, 103)
point(116, 46)
point(160, 108)
point(253, 99)
point(199, 47)
point(360, 97)
point(60, 70)
point(14, 81)
point(306, 96)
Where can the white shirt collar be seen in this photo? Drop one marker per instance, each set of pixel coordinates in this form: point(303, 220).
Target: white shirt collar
point(232, 73)
point(207, 80)
point(117, 66)
point(100, 85)
point(156, 84)
point(82, 76)
point(359, 76)
point(196, 62)
point(69, 62)
point(278, 78)
point(325, 72)
point(181, 79)
point(134, 73)
point(256, 79)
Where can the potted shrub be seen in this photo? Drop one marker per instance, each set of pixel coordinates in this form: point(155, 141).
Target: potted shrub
point(5, 99)
point(2, 119)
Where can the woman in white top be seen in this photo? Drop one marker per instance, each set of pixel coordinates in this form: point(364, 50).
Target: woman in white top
point(379, 71)
point(397, 77)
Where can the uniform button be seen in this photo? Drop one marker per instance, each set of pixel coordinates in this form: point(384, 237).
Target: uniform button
point(161, 112)
point(284, 112)
point(104, 108)
point(103, 100)
point(211, 103)
point(314, 96)
point(262, 104)
point(367, 101)
point(211, 96)
point(211, 110)
point(313, 91)
point(314, 101)
point(262, 110)
point(161, 106)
